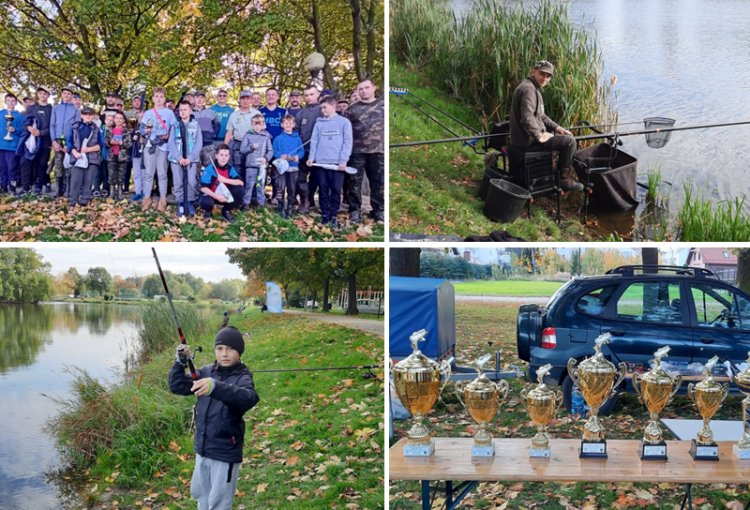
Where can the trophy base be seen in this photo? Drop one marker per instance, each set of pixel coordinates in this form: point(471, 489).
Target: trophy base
point(741, 453)
point(419, 450)
point(593, 450)
point(656, 451)
point(704, 452)
point(483, 450)
point(543, 453)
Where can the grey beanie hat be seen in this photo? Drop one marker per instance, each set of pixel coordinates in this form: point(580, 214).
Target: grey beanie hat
point(230, 336)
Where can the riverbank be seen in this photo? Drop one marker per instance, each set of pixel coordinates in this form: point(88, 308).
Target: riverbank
point(316, 438)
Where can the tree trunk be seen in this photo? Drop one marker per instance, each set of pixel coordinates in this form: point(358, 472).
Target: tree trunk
point(743, 269)
point(351, 308)
point(405, 262)
point(371, 38)
point(326, 290)
point(357, 37)
point(315, 23)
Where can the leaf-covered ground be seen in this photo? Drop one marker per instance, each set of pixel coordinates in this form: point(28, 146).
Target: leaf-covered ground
point(480, 323)
point(33, 218)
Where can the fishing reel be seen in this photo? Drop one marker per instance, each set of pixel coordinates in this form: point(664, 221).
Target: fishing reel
point(183, 356)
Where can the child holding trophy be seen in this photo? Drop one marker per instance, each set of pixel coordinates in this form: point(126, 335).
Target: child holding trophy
point(225, 392)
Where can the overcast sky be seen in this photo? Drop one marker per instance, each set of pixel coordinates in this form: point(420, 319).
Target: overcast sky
point(204, 260)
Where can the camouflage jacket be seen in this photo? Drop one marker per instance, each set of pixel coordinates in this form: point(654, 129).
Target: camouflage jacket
point(368, 126)
point(127, 143)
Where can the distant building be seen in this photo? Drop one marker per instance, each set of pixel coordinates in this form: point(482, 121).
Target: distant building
point(722, 261)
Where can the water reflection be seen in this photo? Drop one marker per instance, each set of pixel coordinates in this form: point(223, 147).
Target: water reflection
point(38, 345)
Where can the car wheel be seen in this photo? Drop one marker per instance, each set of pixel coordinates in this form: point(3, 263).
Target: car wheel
point(567, 389)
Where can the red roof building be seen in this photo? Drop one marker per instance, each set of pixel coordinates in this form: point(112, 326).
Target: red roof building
point(721, 261)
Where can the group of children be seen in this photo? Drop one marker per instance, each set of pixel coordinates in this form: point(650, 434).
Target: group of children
point(92, 158)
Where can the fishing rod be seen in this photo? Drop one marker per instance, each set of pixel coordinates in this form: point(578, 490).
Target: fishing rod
point(316, 369)
point(658, 130)
point(432, 118)
point(184, 358)
point(401, 91)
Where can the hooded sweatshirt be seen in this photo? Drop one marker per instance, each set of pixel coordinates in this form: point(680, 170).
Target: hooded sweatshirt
point(331, 141)
point(194, 141)
point(64, 116)
point(255, 146)
point(209, 123)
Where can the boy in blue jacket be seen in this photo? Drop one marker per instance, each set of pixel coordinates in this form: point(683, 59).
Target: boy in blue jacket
point(288, 146)
point(225, 392)
point(9, 139)
point(330, 144)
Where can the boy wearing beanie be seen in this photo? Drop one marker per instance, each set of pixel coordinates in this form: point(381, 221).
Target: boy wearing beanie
point(225, 392)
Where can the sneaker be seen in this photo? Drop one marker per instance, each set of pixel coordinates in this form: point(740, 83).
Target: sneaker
point(354, 217)
point(161, 206)
point(191, 209)
point(136, 197)
point(146, 204)
point(180, 212)
point(105, 193)
point(48, 188)
point(227, 216)
point(206, 215)
point(95, 194)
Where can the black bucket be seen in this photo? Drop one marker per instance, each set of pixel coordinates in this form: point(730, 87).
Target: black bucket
point(489, 174)
point(505, 201)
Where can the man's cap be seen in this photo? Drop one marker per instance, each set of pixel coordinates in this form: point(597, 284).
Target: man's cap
point(230, 336)
point(246, 93)
point(87, 110)
point(42, 87)
point(190, 92)
point(200, 93)
point(111, 94)
point(545, 67)
point(295, 92)
point(326, 92)
point(76, 95)
point(69, 88)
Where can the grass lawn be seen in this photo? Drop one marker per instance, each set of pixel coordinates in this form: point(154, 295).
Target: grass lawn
point(51, 220)
point(433, 188)
point(315, 440)
point(476, 324)
point(507, 288)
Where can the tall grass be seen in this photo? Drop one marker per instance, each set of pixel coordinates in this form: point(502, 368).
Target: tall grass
point(700, 221)
point(482, 57)
point(655, 181)
point(157, 330)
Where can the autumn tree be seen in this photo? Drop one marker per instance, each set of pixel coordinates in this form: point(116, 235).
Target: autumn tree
point(24, 276)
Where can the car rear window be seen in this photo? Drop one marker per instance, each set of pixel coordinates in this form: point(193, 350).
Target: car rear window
point(594, 302)
point(658, 302)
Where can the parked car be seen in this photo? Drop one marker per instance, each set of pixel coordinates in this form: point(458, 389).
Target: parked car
point(370, 306)
point(643, 308)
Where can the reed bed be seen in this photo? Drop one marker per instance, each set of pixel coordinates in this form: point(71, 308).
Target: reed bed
point(701, 221)
point(481, 57)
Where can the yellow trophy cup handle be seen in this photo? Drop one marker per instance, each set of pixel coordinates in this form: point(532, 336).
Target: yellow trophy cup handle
point(460, 386)
point(677, 383)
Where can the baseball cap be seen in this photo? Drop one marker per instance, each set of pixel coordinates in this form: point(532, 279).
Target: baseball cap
point(545, 67)
point(295, 92)
point(87, 110)
point(246, 93)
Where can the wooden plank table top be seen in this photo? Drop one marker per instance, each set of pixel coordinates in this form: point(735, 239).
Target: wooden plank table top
point(452, 460)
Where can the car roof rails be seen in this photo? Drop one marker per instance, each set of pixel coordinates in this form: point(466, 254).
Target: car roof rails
point(630, 270)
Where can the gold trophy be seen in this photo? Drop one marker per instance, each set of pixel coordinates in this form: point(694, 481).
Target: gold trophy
point(418, 381)
point(597, 378)
point(655, 389)
point(707, 396)
point(542, 403)
point(742, 380)
point(482, 398)
point(9, 126)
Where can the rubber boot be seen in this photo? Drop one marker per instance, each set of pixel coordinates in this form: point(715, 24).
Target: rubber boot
point(568, 182)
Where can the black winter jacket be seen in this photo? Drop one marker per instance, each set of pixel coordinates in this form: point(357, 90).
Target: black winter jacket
point(219, 427)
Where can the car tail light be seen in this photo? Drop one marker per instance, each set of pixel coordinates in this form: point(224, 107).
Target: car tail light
point(549, 340)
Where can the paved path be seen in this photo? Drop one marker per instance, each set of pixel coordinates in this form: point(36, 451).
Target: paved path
point(504, 299)
point(375, 327)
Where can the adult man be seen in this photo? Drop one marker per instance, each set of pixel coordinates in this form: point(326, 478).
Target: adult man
point(256, 100)
point(77, 101)
point(223, 111)
point(294, 106)
point(110, 101)
point(305, 123)
point(530, 126)
point(63, 117)
point(132, 113)
point(368, 126)
point(34, 171)
point(239, 123)
point(8, 160)
point(273, 113)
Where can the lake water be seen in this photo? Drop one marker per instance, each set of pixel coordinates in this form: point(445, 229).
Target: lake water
point(683, 59)
point(39, 343)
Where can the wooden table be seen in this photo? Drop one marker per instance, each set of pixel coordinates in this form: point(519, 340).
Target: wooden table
point(452, 461)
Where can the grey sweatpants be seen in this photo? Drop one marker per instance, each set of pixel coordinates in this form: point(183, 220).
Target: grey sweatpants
point(155, 164)
point(80, 184)
point(179, 189)
point(214, 483)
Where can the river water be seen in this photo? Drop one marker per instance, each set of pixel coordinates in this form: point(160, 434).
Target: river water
point(683, 59)
point(38, 345)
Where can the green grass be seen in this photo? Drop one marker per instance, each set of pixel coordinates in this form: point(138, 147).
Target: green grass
point(314, 441)
point(433, 188)
point(495, 322)
point(507, 287)
point(703, 219)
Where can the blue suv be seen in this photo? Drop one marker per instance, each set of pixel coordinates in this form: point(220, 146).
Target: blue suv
point(643, 308)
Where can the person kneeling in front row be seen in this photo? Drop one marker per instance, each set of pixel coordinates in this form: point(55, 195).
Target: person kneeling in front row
point(220, 172)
